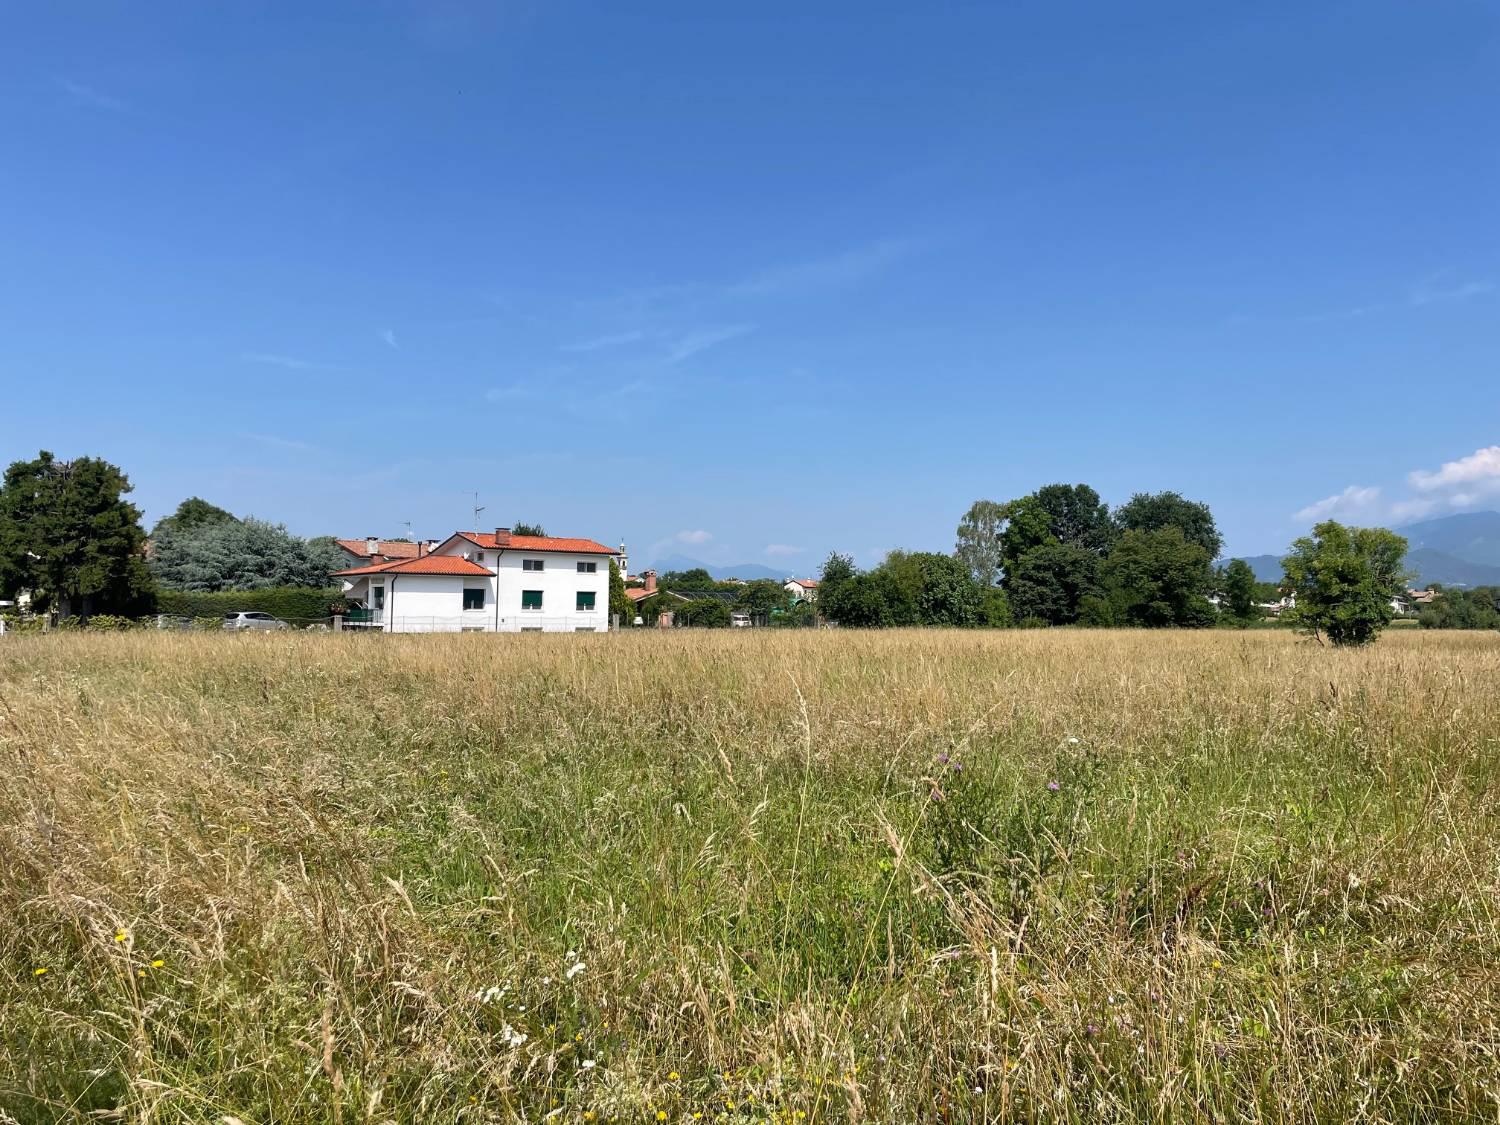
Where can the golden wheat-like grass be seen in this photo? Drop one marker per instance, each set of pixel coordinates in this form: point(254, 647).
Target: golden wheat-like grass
point(792, 876)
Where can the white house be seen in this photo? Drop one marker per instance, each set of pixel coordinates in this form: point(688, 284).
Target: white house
point(802, 589)
point(486, 582)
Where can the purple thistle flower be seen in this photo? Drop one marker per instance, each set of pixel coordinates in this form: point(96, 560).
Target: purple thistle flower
point(1053, 786)
point(1093, 1029)
point(942, 759)
point(958, 767)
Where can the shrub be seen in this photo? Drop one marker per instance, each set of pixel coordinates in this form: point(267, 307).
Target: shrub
point(298, 605)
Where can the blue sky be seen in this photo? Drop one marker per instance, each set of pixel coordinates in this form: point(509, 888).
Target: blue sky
point(750, 282)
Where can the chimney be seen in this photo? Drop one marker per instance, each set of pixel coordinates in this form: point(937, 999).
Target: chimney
point(650, 577)
point(502, 536)
point(372, 545)
point(422, 549)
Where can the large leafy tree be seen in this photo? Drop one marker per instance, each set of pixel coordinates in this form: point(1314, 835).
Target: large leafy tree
point(1239, 590)
point(1343, 579)
point(762, 595)
point(1028, 525)
point(1049, 582)
point(837, 570)
point(190, 515)
point(1153, 511)
point(245, 554)
point(1077, 517)
point(979, 547)
point(1159, 578)
point(68, 535)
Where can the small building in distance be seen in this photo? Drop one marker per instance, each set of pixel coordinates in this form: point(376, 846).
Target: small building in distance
point(802, 589)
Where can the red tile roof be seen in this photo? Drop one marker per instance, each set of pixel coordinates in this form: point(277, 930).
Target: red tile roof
point(386, 547)
point(427, 564)
point(639, 593)
point(806, 583)
point(487, 540)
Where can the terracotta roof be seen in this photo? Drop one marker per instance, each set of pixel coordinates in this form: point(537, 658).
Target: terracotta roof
point(806, 583)
point(427, 564)
point(487, 540)
point(640, 593)
point(386, 547)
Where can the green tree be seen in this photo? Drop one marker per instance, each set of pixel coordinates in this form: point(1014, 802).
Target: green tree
point(1478, 608)
point(528, 529)
point(761, 596)
point(68, 535)
point(1050, 581)
point(1239, 591)
point(1343, 579)
point(837, 570)
point(1077, 517)
point(709, 613)
point(978, 544)
point(247, 554)
point(1028, 526)
point(697, 578)
point(1153, 511)
point(995, 611)
point(190, 515)
point(619, 605)
point(1158, 578)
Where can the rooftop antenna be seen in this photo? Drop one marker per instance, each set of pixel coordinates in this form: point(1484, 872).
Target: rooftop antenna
point(478, 508)
point(408, 530)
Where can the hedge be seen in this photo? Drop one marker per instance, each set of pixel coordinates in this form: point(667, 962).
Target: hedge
point(298, 605)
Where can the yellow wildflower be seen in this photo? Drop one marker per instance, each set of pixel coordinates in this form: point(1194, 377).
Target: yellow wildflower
point(661, 1115)
point(578, 1038)
point(158, 963)
point(41, 972)
point(121, 935)
point(673, 1077)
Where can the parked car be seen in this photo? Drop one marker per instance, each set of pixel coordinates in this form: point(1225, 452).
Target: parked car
point(253, 620)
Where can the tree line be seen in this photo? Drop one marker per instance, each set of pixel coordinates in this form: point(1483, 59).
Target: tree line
point(1060, 556)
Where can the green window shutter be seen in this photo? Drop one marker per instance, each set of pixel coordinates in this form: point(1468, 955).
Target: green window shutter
point(531, 599)
point(585, 599)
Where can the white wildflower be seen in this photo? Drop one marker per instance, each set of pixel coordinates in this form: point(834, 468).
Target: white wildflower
point(589, 1064)
point(575, 968)
point(511, 1036)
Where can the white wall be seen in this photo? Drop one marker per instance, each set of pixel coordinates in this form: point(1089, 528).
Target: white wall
point(559, 581)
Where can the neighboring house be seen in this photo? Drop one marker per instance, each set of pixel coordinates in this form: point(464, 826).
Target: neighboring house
point(486, 583)
point(802, 589)
point(368, 552)
point(1421, 597)
point(638, 594)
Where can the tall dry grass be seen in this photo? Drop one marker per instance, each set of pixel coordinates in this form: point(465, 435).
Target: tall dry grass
point(915, 876)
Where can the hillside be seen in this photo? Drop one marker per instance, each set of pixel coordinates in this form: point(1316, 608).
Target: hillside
point(718, 570)
point(1470, 537)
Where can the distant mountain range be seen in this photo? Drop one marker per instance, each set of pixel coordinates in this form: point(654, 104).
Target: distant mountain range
point(746, 571)
point(1460, 550)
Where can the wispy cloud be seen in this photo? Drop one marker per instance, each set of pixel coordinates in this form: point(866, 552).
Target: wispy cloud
point(290, 362)
point(278, 442)
point(835, 270)
point(600, 342)
point(1434, 291)
point(1354, 500)
point(389, 336)
point(699, 340)
point(780, 550)
point(698, 536)
point(87, 95)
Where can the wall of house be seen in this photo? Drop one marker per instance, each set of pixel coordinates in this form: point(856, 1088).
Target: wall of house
point(559, 581)
point(432, 603)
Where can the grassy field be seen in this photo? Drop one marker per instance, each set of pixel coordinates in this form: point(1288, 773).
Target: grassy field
point(792, 877)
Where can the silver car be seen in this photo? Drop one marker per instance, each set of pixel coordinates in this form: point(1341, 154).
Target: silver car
point(253, 620)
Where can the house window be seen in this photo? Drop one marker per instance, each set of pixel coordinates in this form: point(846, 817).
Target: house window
point(588, 568)
point(585, 600)
point(531, 599)
point(480, 558)
point(531, 628)
point(533, 564)
point(377, 595)
point(584, 629)
point(473, 599)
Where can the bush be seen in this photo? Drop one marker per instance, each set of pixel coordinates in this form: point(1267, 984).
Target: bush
point(297, 605)
point(109, 622)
